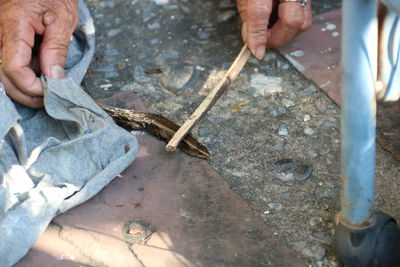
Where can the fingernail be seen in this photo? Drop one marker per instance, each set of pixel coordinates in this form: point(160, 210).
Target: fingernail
point(260, 52)
point(56, 72)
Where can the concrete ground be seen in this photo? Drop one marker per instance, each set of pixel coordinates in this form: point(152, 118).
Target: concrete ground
point(270, 191)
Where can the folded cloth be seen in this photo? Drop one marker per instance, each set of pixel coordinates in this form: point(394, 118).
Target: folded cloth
point(58, 157)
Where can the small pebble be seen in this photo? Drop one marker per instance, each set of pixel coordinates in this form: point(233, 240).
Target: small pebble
point(224, 16)
point(315, 221)
point(262, 85)
point(177, 76)
point(107, 68)
point(269, 56)
point(147, 16)
point(283, 130)
point(203, 35)
point(275, 206)
point(226, 4)
point(278, 147)
point(136, 229)
point(161, 2)
point(330, 26)
point(154, 41)
point(111, 52)
point(329, 124)
point(282, 65)
point(289, 170)
point(297, 53)
point(275, 111)
point(308, 91)
point(153, 26)
point(315, 251)
point(309, 131)
point(286, 196)
point(113, 32)
point(287, 103)
point(307, 117)
point(312, 154)
point(321, 237)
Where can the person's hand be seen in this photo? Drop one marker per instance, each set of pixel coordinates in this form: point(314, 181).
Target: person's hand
point(21, 21)
point(292, 19)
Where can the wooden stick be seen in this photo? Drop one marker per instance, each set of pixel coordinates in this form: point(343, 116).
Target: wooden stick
point(210, 99)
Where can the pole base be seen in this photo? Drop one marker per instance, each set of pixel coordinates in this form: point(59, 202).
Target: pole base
point(376, 245)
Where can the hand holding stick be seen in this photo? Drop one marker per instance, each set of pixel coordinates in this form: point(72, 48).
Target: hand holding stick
point(210, 99)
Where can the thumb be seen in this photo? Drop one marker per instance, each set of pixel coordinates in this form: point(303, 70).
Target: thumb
point(54, 49)
point(258, 12)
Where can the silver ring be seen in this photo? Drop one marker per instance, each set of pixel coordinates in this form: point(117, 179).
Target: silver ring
point(303, 3)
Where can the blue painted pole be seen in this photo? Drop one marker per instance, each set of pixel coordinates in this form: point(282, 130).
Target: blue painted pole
point(359, 61)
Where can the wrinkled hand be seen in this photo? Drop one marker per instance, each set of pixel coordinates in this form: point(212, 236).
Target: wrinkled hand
point(256, 31)
point(20, 22)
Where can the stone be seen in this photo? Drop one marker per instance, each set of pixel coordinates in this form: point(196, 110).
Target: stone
point(171, 54)
point(275, 206)
point(309, 131)
point(283, 130)
point(111, 52)
point(203, 35)
point(176, 77)
point(286, 196)
point(278, 147)
point(269, 55)
point(282, 65)
point(226, 4)
point(308, 91)
point(263, 85)
point(329, 124)
point(161, 2)
point(289, 170)
point(321, 237)
point(153, 26)
point(258, 173)
point(138, 72)
point(275, 111)
point(314, 251)
point(136, 231)
point(287, 103)
point(297, 53)
point(147, 16)
point(315, 221)
point(154, 41)
point(107, 68)
point(224, 16)
point(299, 246)
point(113, 32)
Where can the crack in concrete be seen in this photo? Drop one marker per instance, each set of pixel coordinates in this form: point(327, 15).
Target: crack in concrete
point(77, 248)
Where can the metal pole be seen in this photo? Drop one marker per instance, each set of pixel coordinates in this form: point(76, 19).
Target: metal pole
point(359, 60)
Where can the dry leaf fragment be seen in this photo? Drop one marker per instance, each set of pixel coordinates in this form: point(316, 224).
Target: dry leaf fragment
point(239, 106)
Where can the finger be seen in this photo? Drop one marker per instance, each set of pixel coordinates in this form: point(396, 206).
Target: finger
point(308, 17)
point(242, 9)
point(258, 12)
point(19, 96)
point(291, 18)
point(56, 38)
point(17, 44)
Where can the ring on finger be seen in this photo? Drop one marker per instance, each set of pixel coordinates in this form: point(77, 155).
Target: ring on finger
point(303, 3)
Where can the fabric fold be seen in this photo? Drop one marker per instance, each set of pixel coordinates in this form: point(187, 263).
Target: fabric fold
point(58, 157)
